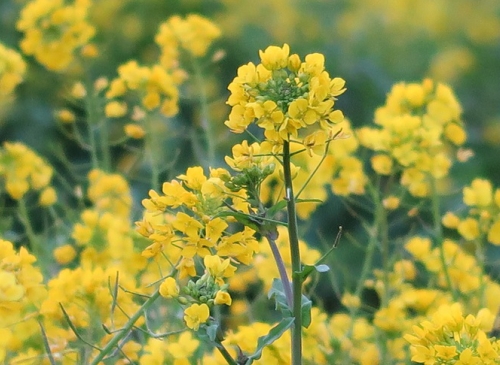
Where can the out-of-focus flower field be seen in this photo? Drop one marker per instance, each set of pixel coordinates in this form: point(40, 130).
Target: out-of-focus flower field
point(232, 182)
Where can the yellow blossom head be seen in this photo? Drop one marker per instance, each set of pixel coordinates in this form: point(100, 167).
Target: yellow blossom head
point(284, 96)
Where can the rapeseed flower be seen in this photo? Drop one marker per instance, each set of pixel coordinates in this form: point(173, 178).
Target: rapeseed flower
point(451, 337)
point(22, 170)
point(195, 315)
point(154, 89)
point(419, 126)
point(194, 34)
point(483, 217)
point(54, 30)
point(12, 70)
point(290, 99)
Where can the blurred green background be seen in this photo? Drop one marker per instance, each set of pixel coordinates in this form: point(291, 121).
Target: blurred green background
point(372, 44)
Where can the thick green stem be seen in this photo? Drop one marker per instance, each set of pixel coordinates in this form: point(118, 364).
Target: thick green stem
point(126, 329)
point(438, 238)
point(295, 255)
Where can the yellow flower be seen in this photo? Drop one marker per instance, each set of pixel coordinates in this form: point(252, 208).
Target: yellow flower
point(419, 247)
point(445, 352)
point(169, 288)
point(64, 254)
point(115, 109)
point(391, 202)
point(455, 134)
point(480, 193)
point(66, 116)
point(218, 267)
point(54, 30)
point(350, 301)
point(183, 348)
point(48, 197)
point(12, 71)
point(194, 177)
point(196, 315)
point(222, 297)
point(494, 233)
point(193, 34)
point(382, 164)
point(10, 290)
point(468, 229)
point(275, 57)
point(78, 91)
point(134, 131)
point(450, 220)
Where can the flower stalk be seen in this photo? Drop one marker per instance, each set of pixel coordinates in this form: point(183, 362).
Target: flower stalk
point(295, 255)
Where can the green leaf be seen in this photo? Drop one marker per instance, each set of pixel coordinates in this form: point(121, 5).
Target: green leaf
point(212, 331)
point(245, 219)
point(278, 293)
point(271, 212)
point(306, 306)
point(275, 333)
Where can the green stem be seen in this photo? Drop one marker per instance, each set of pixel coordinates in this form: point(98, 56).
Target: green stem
point(382, 232)
point(92, 124)
point(287, 288)
point(222, 349)
point(438, 238)
point(480, 262)
point(151, 150)
point(295, 255)
point(126, 329)
point(205, 114)
point(366, 269)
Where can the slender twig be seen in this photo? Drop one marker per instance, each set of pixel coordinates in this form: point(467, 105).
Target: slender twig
point(287, 288)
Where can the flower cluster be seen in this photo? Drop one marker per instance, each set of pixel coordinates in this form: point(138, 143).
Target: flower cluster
point(288, 98)
point(333, 163)
point(12, 69)
point(154, 87)
point(483, 219)
point(417, 126)
point(54, 30)
point(188, 222)
point(85, 295)
point(194, 34)
point(450, 338)
point(177, 352)
point(104, 230)
point(23, 170)
point(21, 293)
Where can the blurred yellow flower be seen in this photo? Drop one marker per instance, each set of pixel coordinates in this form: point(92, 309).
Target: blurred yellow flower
point(134, 131)
point(169, 288)
point(64, 254)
